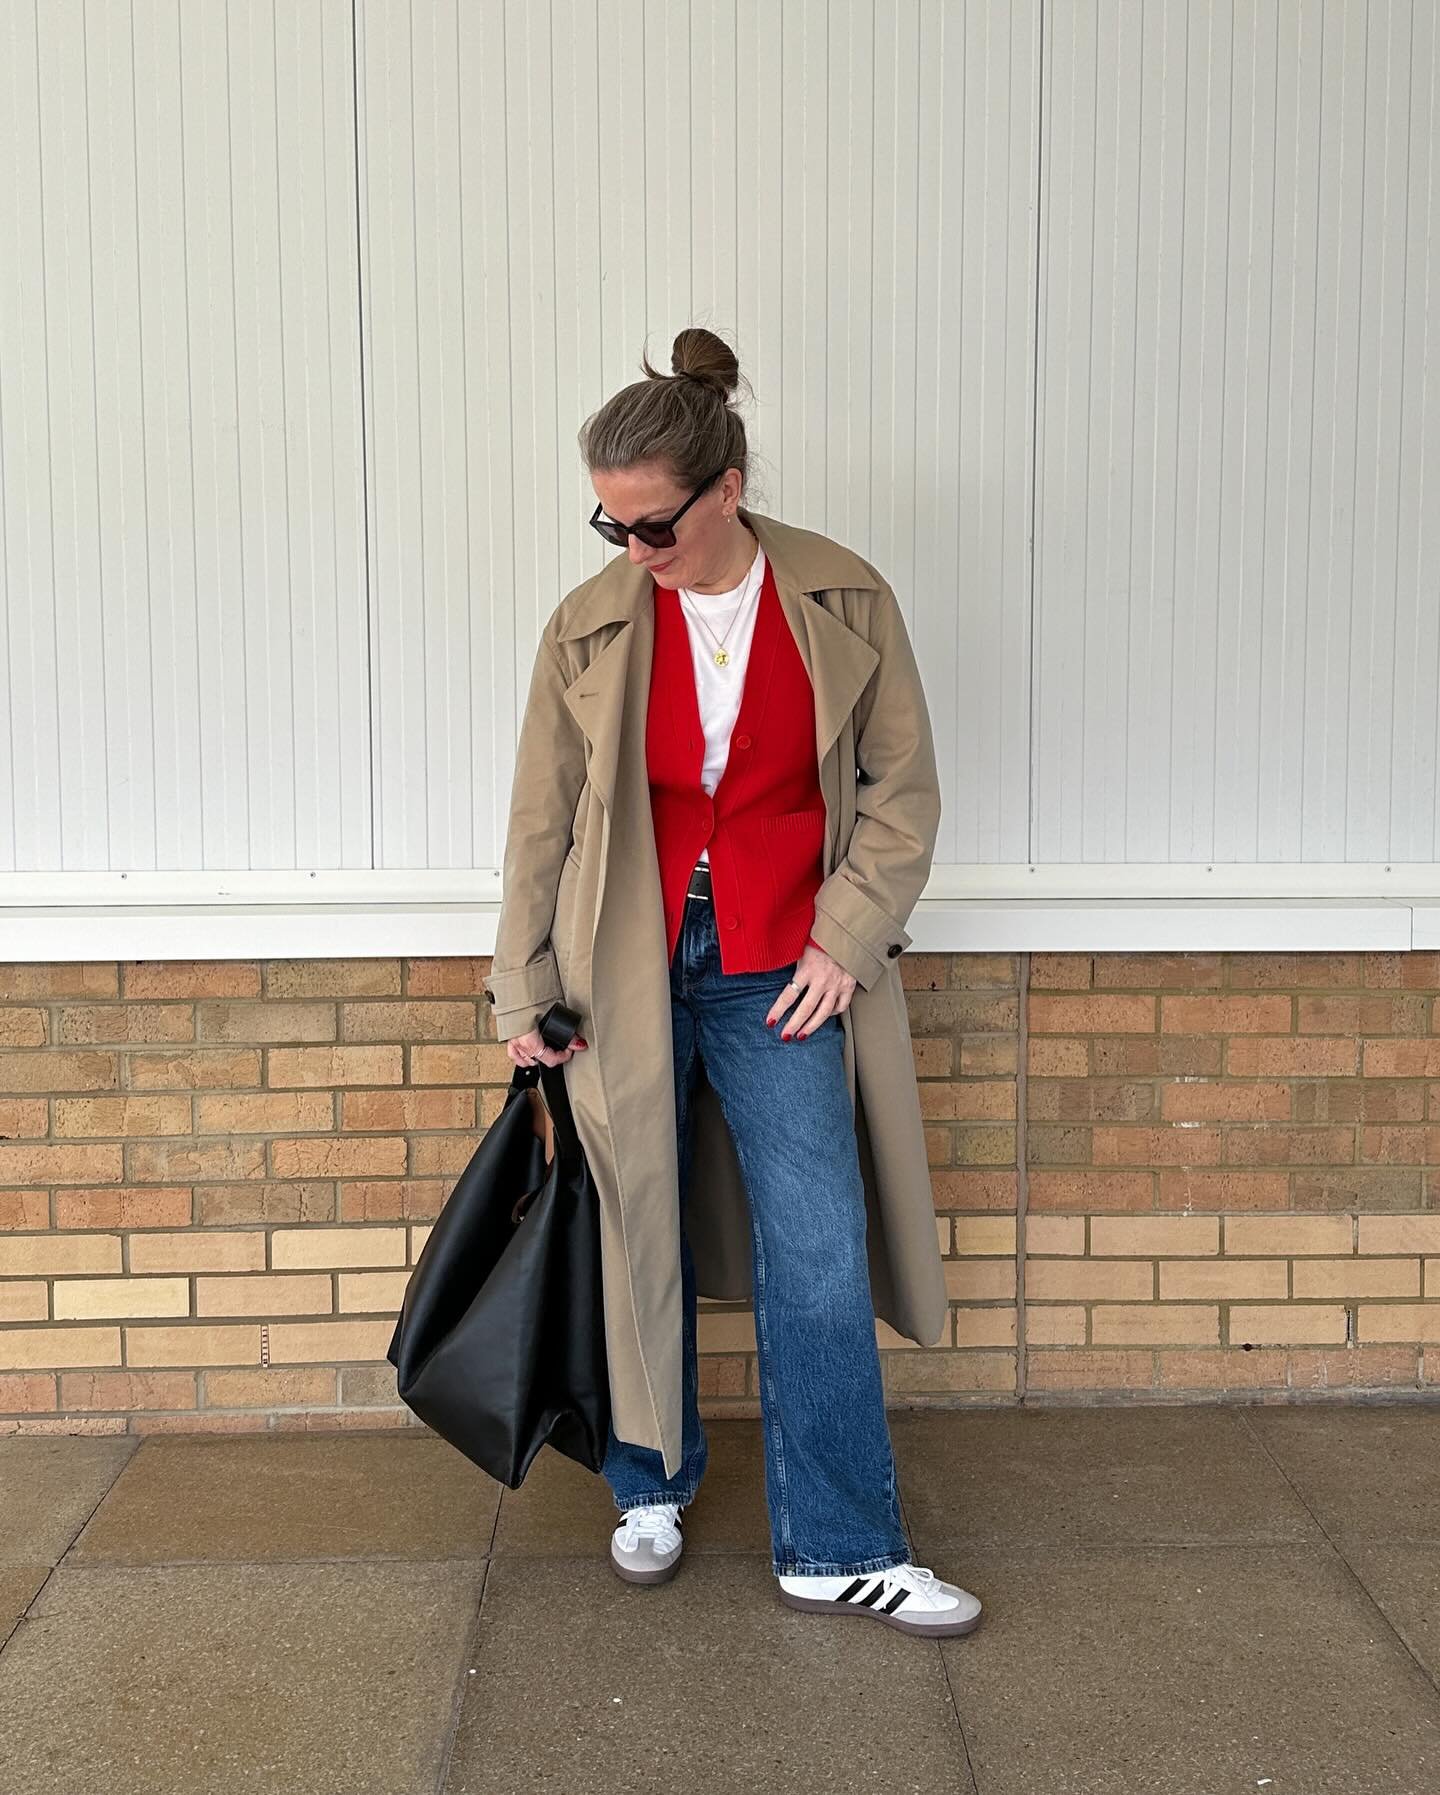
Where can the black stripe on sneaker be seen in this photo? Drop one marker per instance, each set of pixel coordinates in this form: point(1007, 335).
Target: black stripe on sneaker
point(895, 1600)
point(869, 1600)
point(858, 1584)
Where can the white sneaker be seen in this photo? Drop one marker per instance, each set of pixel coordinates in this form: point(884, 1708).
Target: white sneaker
point(646, 1546)
point(905, 1596)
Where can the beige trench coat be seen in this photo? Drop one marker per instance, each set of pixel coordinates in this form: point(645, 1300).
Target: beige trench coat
point(581, 920)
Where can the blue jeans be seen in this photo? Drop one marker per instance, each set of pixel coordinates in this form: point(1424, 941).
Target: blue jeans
point(829, 1468)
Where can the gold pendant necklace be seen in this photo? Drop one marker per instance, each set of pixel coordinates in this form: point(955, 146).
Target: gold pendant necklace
point(721, 657)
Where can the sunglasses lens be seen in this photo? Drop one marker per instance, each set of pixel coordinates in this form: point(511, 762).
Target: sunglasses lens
point(612, 532)
point(655, 535)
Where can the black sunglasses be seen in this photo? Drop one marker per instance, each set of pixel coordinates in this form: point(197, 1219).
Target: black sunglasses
point(655, 533)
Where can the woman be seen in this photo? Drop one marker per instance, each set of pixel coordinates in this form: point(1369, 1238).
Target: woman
point(689, 865)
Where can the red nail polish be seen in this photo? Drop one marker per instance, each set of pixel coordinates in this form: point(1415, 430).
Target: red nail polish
point(784, 1037)
point(769, 1022)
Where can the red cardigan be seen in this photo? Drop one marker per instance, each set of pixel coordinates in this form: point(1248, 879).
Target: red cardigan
point(764, 827)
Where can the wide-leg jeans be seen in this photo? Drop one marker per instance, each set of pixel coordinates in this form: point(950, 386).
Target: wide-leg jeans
point(830, 1479)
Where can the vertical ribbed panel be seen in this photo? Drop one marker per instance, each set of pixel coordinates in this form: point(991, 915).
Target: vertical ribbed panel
point(1239, 442)
point(183, 551)
point(845, 190)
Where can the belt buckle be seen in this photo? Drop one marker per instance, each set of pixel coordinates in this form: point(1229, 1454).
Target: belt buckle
point(700, 885)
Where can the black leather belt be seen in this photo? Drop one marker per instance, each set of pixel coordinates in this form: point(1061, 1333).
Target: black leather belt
point(700, 882)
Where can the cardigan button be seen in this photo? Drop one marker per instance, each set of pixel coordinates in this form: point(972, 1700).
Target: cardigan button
point(730, 922)
point(893, 949)
point(742, 741)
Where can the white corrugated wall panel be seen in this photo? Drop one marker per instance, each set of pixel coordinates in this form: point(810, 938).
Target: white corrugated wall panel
point(846, 190)
point(1235, 587)
point(183, 554)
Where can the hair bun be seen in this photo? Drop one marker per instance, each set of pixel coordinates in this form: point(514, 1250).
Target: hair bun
point(702, 356)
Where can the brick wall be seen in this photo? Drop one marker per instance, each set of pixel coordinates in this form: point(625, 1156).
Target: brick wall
point(213, 1178)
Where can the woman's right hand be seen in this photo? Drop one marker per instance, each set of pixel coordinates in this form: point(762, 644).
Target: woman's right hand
point(530, 1050)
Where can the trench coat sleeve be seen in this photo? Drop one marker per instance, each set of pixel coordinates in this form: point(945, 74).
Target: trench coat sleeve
point(549, 776)
point(862, 906)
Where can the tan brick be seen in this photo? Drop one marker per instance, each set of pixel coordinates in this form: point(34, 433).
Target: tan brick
point(43, 980)
point(22, 1117)
point(303, 1293)
point(430, 1020)
point(1357, 1277)
point(455, 976)
point(1085, 1281)
point(1223, 1280)
point(24, 1210)
point(1180, 1143)
point(722, 1375)
point(329, 1342)
point(22, 1028)
point(1289, 1056)
point(1364, 1366)
point(1225, 1015)
point(979, 1100)
point(197, 1249)
point(978, 1189)
point(372, 1292)
point(190, 978)
point(1054, 1057)
point(1400, 1146)
point(52, 1349)
point(1055, 1233)
point(188, 1162)
point(1185, 971)
point(1193, 1187)
point(86, 1391)
point(23, 1299)
point(944, 1237)
point(480, 1064)
point(912, 1373)
point(124, 1208)
point(198, 1343)
point(28, 1393)
point(239, 1205)
point(1398, 1321)
point(441, 1155)
point(1141, 1235)
point(363, 1156)
point(726, 1331)
point(1055, 1324)
point(25, 1164)
point(1277, 1145)
point(332, 1248)
point(396, 1112)
point(1402, 1059)
point(1155, 1324)
point(418, 1237)
point(81, 1116)
point(1205, 1100)
point(110, 1299)
point(980, 1280)
point(1091, 1015)
point(126, 1022)
point(272, 1388)
point(1082, 1369)
point(1060, 972)
point(1221, 1368)
point(266, 1112)
point(312, 1066)
point(1284, 1324)
point(989, 1234)
point(985, 1327)
point(1288, 1235)
point(56, 1255)
point(393, 1200)
point(332, 978)
point(265, 1022)
point(1085, 1191)
point(197, 1069)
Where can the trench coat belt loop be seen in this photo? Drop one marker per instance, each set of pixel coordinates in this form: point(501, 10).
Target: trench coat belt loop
point(700, 882)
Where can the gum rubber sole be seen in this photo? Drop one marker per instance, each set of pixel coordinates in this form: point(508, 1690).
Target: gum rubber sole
point(937, 1629)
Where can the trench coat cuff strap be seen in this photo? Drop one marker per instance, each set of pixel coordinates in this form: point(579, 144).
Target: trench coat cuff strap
point(856, 932)
point(521, 994)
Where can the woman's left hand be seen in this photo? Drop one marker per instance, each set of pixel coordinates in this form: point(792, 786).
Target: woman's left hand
point(828, 989)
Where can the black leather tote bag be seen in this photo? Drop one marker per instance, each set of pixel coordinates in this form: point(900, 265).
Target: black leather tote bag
point(500, 1343)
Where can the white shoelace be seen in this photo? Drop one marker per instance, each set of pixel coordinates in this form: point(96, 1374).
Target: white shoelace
point(920, 1580)
point(658, 1523)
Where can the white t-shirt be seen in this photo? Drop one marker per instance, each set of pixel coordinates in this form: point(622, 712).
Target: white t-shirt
point(718, 690)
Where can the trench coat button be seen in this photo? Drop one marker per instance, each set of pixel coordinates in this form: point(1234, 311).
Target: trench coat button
point(491, 995)
point(893, 949)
